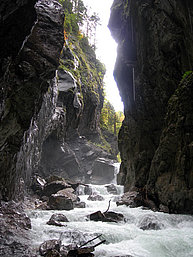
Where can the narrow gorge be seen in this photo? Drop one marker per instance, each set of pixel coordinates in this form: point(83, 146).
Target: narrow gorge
point(58, 156)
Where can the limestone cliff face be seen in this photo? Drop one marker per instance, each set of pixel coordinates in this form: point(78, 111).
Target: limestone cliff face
point(68, 147)
point(31, 41)
point(154, 50)
point(62, 138)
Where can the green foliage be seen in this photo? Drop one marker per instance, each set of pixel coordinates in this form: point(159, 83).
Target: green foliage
point(186, 74)
point(110, 120)
point(118, 157)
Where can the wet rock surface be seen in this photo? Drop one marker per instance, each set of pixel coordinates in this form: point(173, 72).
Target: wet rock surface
point(112, 189)
point(77, 159)
point(150, 223)
point(103, 171)
point(14, 227)
point(132, 199)
point(53, 187)
point(95, 198)
point(56, 220)
point(62, 200)
point(28, 77)
point(107, 216)
point(79, 205)
point(137, 198)
point(148, 70)
point(50, 248)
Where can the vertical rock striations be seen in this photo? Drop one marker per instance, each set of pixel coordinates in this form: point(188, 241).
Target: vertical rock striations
point(25, 74)
point(154, 50)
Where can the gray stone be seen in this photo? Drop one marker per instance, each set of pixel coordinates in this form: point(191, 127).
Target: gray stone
point(62, 200)
point(48, 246)
point(150, 222)
point(54, 187)
point(66, 80)
point(103, 171)
point(79, 205)
point(95, 198)
point(56, 220)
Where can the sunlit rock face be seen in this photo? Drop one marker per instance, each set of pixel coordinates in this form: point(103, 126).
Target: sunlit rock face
point(31, 42)
point(154, 50)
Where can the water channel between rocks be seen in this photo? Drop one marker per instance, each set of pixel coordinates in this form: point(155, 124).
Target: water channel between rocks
point(174, 238)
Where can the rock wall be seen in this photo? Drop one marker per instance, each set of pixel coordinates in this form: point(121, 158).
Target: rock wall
point(62, 138)
point(154, 50)
point(70, 148)
point(30, 55)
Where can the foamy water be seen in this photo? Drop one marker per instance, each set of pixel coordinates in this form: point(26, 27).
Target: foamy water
point(174, 239)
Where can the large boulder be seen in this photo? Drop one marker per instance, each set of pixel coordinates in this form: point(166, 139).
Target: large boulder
point(54, 187)
point(112, 189)
point(58, 159)
point(132, 199)
point(49, 246)
point(137, 198)
point(63, 200)
point(56, 219)
point(107, 216)
point(95, 198)
point(103, 171)
point(150, 222)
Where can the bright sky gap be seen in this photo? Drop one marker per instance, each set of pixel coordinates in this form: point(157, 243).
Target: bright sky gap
point(106, 49)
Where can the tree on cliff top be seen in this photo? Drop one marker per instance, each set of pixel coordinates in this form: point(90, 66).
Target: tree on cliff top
point(110, 120)
point(78, 16)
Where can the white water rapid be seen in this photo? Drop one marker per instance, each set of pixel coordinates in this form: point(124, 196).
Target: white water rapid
point(174, 239)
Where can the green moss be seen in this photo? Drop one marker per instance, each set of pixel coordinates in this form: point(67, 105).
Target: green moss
point(187, 73)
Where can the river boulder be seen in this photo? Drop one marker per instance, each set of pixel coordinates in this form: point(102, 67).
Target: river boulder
point(107, 216)
point(150, 222)
point(79, 205)
point(103, 171)
point(63, 200)
point(132, 199)
point(54, 187)
point(56, 219)
point(48, 246)
point(95, 198)
point(112, 189)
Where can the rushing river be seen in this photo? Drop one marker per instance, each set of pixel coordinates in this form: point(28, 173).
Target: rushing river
point(174, 239)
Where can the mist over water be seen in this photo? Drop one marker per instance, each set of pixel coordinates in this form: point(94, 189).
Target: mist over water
point(174, 238)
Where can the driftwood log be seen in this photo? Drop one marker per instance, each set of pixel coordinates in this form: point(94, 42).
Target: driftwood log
point(85, 251)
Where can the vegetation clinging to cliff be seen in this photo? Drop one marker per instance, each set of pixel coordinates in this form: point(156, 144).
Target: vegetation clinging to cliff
point(111, 120)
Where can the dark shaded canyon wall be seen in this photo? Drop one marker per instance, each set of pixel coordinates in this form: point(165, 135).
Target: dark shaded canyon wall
point(154, 50)
point(30, 45)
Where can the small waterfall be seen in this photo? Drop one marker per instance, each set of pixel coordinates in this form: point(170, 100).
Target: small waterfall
point(116, 172)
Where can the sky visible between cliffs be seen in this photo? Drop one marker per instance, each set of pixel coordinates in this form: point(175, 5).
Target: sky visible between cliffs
point(106, 49)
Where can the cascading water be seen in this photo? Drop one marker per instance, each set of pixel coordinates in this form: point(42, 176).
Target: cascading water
point(173, 237)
